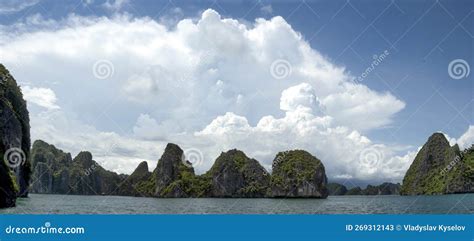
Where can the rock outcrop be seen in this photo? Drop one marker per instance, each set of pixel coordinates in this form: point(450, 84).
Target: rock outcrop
point(385, 188)
point(439, 168)
point(55, 172)
point(50, 168)
point(174, 176)
point(87, 177)
point(130, 186)
point(236, 175)
point(15, 168)
point(298, 174)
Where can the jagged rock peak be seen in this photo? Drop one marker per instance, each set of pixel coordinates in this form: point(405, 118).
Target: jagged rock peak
point(141, 168)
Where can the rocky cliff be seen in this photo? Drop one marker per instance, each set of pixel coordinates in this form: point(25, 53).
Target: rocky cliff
point(131, 185)
point(439, 168)
point(232, 175)
point(235, 175)
point(174, 175)
point(298, 174)
point(50, 169)
point(386, 188)
point(15, 143)
point(55, 172)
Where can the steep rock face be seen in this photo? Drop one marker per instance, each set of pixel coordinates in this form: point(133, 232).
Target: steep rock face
point(336, 189)
point(87, 177)
point(140, 173)
point(235, 175)
point(460, 173)
point(15, 143)
point(174, 177)
point(438, 168)
point(130, 187)
point(55, 172)
point(298, 174)
point(50, 168)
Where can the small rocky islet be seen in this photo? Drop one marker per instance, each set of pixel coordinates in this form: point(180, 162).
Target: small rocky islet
point(437, 169)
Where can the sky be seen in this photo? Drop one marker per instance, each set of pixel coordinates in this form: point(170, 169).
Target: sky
point(359, 84)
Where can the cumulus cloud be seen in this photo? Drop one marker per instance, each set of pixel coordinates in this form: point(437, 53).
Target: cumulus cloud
point(205, 83)
point(345, 151)
point(467, 139)
point(43, 97)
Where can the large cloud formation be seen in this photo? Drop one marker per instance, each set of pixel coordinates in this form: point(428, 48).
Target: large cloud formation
point(125, 86)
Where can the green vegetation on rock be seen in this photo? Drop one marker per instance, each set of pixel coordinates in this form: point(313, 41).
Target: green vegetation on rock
point(298, 174)
point(15, 132)
point(439, 168)
point(236, 175)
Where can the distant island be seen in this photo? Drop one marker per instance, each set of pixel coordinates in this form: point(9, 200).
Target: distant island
point(437, 169)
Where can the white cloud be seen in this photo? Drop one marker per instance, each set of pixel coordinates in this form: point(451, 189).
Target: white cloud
point(115, 5)
point(13, 6)
point(117, 153)
point(43, 97)
point(467, 139)
point(205, 84)
point(299, 96)
point(344, 151)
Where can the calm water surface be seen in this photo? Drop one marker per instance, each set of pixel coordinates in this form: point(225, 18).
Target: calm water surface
point(70, 204)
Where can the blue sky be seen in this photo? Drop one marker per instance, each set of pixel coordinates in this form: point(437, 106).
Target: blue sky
point(421, 37)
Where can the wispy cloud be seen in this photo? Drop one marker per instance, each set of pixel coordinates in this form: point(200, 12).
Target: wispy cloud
point(115, 5)
point(13, 6)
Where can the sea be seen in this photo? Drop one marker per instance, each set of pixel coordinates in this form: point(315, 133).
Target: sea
point(76, 204)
